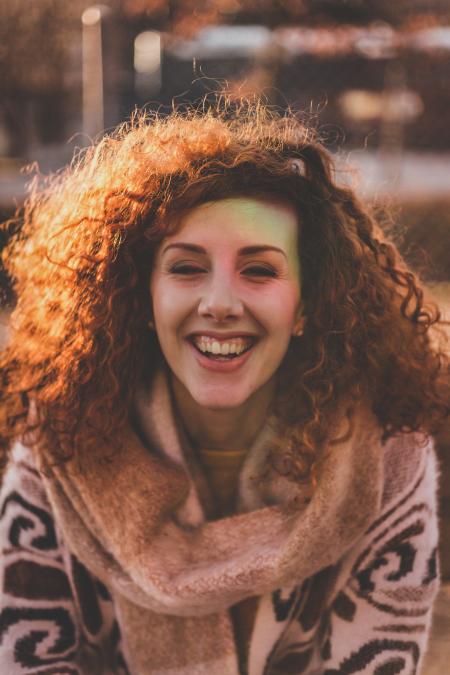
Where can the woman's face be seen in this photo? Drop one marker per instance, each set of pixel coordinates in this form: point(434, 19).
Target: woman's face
point(226, 294)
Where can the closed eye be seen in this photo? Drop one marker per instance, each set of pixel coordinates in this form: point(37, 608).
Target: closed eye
point(254, 270)
point(186, 269)
point(260, 271)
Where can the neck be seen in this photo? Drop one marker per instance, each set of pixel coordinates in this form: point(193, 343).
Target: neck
point(223, 429)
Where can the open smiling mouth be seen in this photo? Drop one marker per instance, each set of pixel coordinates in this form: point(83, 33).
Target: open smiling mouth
point(227, 351)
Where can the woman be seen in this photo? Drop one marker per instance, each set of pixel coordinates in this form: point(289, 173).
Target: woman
point(223, 382)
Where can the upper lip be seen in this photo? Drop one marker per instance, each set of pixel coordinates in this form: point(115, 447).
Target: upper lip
point(222, 336)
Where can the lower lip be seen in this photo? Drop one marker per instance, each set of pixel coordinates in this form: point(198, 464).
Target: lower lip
point(221, 366)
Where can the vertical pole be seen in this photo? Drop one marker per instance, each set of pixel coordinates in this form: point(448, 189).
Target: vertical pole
point(92, 60)
point(391, 137)
point(391, 131)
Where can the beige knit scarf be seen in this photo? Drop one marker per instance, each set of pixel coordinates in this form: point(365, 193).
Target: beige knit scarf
point(139, 522)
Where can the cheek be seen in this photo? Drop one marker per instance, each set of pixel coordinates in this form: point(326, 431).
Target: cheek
point(161, 305)
point(282, 307)
point(169, 308)
point(165, 313)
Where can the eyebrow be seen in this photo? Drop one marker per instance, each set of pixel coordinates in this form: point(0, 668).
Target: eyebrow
point(246, 250)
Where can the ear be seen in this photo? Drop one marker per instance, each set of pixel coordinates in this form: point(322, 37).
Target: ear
point(299, 324)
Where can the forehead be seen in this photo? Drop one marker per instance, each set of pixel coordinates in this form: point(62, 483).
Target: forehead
point(242, 219)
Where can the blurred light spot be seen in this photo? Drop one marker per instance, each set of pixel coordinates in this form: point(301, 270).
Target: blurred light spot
point(400, 105)
point(91, 16)
point(147, 52)
point(224, 42)
point(432, 38)
point(377, 42)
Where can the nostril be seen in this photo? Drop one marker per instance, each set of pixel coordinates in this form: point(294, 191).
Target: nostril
point(220, 308)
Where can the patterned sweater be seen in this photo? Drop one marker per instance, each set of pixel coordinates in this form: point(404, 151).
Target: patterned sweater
point(56, 618)
point(368, 612)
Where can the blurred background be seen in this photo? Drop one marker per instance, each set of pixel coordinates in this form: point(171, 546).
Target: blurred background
point(373, 76)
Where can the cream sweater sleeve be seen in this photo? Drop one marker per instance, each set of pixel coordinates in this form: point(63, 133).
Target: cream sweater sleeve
point(380, 619)
point(370, 613)
point(55, 618)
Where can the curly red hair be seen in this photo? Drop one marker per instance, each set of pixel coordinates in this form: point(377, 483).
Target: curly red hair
point(82, 261)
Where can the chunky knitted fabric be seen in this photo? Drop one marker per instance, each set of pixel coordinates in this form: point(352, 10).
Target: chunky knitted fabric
point(222, 469)
point(116, 566)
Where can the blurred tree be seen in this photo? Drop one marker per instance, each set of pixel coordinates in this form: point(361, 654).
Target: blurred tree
point(40, 39)
point(185, 16)
point(33, 43)
point(36, 39)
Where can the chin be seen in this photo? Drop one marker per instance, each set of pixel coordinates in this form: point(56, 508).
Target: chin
point(219, 400)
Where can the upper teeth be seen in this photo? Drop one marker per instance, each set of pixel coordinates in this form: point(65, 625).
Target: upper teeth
point(231, 346)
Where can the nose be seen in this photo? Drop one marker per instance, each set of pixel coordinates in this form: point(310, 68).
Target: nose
point(220, 301)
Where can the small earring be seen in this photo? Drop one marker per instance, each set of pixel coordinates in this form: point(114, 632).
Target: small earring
point(151, 324)
point(299, 326)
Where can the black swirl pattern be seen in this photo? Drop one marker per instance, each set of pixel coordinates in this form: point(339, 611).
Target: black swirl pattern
point(387, 586)
point(59, 629)
point(74, 621)
point(26, 520)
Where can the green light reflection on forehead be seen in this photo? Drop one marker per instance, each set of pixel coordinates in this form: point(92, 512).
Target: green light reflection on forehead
point(266, 222)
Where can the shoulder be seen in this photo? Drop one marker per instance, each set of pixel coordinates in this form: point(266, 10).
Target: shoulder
point(26, 516)
point(22, 476)
point(409, 469)
point(44, 589)
point(400, 546)
point(386, 585)
point(407, 523)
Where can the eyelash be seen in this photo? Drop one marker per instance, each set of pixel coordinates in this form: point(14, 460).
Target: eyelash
point(262, 271)
point(190, 270)
point(184, 269)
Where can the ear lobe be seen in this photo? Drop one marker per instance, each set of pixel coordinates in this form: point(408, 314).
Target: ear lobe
point(299, 326)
